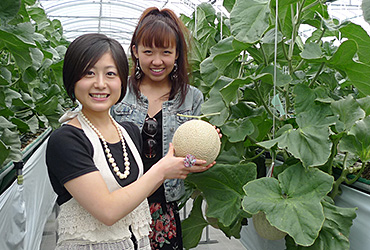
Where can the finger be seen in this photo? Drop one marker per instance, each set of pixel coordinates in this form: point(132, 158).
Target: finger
point(171, 150)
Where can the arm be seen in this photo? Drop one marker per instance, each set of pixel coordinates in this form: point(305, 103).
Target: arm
point(92, 193)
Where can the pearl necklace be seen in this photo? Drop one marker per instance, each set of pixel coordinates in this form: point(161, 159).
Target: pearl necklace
point(110, 158)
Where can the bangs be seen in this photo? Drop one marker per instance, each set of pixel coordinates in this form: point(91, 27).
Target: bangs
point(159, 34)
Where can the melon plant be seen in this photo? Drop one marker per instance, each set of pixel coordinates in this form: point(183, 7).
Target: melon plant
point(199, 138)
point(280, 95)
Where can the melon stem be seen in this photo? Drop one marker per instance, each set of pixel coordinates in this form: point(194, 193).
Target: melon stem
point(199, 117)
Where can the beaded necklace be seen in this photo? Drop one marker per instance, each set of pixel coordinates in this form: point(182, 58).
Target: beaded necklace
point(110, 158)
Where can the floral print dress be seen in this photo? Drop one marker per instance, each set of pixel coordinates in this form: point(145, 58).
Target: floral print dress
point(166, 225)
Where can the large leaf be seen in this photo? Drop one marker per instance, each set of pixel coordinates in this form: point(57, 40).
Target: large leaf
point(193, 226)
point(358, 140)
point(335, 231)
point(18, 48)
point(225, 53)
point(291, 203)
point(310, 141)
point(238, 129)
point(349, 111)
point(249, 20)
point(209, 71)
point(222, 186)
point(358, 34)
point(215, 104)
point(357, 72)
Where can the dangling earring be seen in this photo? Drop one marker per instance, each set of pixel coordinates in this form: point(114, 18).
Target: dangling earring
point(174, 74)
point(137, 70)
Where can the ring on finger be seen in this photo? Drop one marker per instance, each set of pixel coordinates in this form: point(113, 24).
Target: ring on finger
point(189, 160)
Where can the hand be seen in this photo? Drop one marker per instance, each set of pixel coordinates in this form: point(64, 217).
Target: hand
point(173, 167)
point(218, 131)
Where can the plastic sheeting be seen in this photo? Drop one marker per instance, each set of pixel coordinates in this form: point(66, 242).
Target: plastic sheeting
point(359, 236)
point(25, 208)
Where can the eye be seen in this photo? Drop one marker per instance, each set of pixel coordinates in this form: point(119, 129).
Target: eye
point(89, 73)
point(147, 51)
point(111, 74)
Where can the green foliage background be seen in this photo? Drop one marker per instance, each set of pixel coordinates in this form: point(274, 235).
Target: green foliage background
point(31, 59)
point(306, 105)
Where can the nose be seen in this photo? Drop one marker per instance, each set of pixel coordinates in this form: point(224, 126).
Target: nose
point(100, 82)
point(157, 60)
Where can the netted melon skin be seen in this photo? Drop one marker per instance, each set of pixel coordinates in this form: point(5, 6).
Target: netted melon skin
point(199, 138)
point(265, 229)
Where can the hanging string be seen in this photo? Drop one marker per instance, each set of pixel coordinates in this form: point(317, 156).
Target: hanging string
point(271, 170)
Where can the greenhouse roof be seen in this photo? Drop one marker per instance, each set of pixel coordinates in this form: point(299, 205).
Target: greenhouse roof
point(115, 18)
point(118, 18)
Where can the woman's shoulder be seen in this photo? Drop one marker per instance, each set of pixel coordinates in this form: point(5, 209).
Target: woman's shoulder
point(195, 92)
point(67, 135)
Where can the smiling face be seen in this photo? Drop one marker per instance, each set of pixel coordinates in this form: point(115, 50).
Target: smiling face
point(100, 88)
point(156, 62)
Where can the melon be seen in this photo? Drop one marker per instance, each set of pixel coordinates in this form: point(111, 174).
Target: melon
point(199, 138)
point(265, 229)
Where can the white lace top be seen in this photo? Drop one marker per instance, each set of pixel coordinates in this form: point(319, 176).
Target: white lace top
point(76, 224)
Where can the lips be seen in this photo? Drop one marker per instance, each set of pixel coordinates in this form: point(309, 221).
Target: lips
point(99, 96)
point(157, 71)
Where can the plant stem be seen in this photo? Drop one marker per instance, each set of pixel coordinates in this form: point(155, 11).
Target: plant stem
point(263, 101)
point(316, 75)
point(254, 157)
point(199, 117)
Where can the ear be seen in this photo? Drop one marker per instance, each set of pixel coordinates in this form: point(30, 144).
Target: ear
point(134, 50)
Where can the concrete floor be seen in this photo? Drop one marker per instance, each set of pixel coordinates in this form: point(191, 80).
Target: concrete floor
point(212, 239)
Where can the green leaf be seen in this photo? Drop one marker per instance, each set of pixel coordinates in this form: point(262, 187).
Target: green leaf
point(365, 104)
point(358, 140)
point(238, 129)
point(29, 75)
point(12, 141)
point(357, 33)
point(5, 76)
point(311, 51)
point(291, 203)
point(192, 227)
point(21, 125)
point(281, 79)
point(310, 141)
point(222, 186)
point(335, 231)
point(358, 73)
point(18, 49)
point(310, 144)
point(229, 4)
point(249, 20)
point(9, 8)
point(349, 111)
point(344, 54)
point(4, 123)
point(224, 53)
point(48, 107)
point(209, 71)
point(215, 104)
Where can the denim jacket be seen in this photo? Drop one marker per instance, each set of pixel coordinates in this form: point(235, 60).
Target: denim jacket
point(132, 109)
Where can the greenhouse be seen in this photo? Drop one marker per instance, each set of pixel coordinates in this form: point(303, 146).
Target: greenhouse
point(285, 84)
